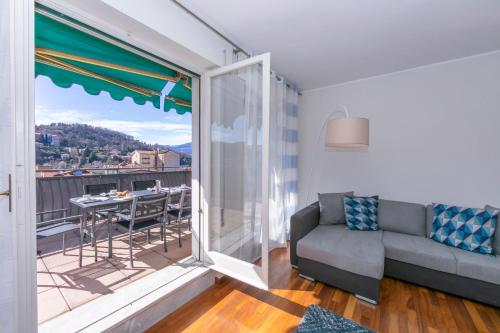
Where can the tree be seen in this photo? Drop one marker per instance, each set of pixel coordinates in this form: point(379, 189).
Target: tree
point(86, 152)
point(92, 157)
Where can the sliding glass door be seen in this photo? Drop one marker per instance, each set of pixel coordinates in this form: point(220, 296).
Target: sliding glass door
point(235, 161)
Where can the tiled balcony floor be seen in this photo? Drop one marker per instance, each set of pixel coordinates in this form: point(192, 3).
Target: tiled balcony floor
point(63, 286)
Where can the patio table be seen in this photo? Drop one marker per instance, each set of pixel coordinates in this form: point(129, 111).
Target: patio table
point(95, 203)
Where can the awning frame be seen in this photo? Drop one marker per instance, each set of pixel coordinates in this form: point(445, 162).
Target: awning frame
point(110, 39)
point(69, 62)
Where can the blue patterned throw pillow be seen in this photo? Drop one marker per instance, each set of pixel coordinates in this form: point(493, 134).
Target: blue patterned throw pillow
point(361, 212)
point(470, 229)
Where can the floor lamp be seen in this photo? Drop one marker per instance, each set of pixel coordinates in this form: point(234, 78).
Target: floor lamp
point(342, 132)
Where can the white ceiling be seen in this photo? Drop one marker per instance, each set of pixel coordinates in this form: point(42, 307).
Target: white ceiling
point(316, 43)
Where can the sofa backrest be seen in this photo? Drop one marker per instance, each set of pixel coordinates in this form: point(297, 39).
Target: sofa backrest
point(429, 218)
point(496, 235)
point(404, 217)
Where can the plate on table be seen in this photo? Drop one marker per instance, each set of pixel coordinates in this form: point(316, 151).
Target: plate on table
point(91, 199)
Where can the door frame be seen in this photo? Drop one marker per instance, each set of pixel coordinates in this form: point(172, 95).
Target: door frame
point(236, 268)
point(21, 29)
point(22, 159)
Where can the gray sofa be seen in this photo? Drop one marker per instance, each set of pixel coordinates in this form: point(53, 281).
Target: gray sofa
point(356, 261)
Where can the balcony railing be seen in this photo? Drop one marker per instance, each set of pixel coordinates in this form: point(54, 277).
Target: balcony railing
point(53, 193)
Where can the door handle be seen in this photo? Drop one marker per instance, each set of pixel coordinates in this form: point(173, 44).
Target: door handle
point(9, 193)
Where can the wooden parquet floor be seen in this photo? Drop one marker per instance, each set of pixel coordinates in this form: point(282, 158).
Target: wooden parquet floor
point(232, 306)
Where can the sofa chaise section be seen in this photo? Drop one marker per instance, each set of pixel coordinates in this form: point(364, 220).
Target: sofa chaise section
point(351, 260)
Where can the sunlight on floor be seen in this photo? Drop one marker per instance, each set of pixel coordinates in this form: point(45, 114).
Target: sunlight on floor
point(63, 286)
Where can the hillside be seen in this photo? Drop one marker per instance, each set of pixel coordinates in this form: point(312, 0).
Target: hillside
point(81, 136)
point(79, 144)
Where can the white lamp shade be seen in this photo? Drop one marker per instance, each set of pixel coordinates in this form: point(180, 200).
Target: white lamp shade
point(347, 133)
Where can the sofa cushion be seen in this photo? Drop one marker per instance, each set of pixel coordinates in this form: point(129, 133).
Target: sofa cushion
point(361, 212)
point(331, 207)
point(429, 219)
point(496, 236)
point(404, 217)
point(419, 251)
point(477, 266)
point(353, 251)
point(470, 229)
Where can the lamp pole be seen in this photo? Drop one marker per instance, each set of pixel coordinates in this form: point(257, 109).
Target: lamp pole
point(338, 109)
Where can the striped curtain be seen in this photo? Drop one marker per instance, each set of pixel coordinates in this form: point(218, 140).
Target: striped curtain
point(283, 159)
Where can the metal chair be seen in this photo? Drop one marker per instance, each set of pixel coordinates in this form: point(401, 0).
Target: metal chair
point(146, 213)
point(96, 189)
point(141, 185)
point(182, 213)
point(58, 226)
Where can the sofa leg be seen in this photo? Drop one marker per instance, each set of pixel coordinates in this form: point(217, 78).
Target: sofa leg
point(306, 277)
point(366, 299)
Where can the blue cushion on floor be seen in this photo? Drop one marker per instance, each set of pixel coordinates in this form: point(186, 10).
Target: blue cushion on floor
point(319, 320)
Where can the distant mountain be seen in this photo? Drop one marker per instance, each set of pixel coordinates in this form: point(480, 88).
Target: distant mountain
point(185, 148)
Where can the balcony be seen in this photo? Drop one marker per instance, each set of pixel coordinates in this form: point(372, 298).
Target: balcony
point(62, 284)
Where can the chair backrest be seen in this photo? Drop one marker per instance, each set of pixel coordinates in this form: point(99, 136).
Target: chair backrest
point(140, 185)
point(96, 189)
point(49, 215)
point(42, 222)
point(148, 208)
point(185, 202)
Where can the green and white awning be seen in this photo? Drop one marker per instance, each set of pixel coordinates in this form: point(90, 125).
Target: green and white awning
point(70, 53)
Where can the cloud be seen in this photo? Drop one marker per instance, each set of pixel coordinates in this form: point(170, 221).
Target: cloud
point(149, 131)
point(47, 116)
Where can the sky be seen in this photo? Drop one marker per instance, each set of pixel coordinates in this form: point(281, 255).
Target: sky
point(73, 105)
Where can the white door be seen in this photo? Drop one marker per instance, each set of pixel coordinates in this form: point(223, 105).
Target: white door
point(17, 236)
point(235, 164)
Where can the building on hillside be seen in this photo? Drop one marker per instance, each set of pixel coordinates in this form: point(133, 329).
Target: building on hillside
point(73, 151)
point(169, 159)
point(55, 140)
point(101, 156)
point(62, 165)
point(114, 152)
point(153, 159)
point(38, 149)
point(144, 158)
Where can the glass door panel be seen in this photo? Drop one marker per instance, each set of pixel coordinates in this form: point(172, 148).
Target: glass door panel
point(236, 191)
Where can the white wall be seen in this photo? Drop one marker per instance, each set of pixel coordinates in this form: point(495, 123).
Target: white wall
point(435, 135)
